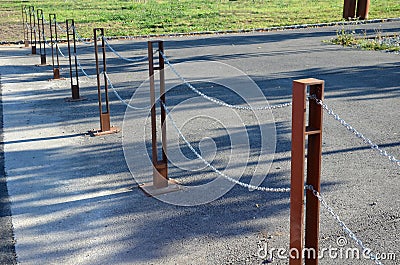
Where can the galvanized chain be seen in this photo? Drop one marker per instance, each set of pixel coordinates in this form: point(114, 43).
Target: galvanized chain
point(218, 101)
point(122, 57)
point(63, 30)
point(80, 38)
point(355, 132)
point(60, 52)
point(81, 68)
point(348, 232)
point(119, 97)
point(245, 185)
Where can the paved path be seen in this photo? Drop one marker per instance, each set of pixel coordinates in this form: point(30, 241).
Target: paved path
point(73, 200)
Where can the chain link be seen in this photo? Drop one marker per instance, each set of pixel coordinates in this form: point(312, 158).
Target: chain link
point(245, 185)
point(349, 233)
point(63, 30)
point(80, 38)
point(119, 97)
point(83, 70)
point(218, 101)
point(355, 132)
point(122, 57)
point(59, 50)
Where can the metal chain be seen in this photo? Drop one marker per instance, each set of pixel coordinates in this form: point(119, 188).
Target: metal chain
point(355, 132)
point(59, 50)
point(63, 30)
point(245, 185)
point(79, 37)
point(218, 101)
point(119, 97)
point(81, 68)
point(365, 250)
point(122, 57)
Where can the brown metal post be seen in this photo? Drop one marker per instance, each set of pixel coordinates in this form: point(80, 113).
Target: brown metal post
point(299, 133)
point(314, 154)
point(363, 9)
point(349, 9)
point(54, 46)
point(25, 26)
point(73, 74)
point(42, 40)
point(160, 167)
point(32, 25)
point(105, 127)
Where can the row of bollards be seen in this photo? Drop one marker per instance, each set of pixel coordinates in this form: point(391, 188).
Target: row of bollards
point(34, 34)
point(302, 235)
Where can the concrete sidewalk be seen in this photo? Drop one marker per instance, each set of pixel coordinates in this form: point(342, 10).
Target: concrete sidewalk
point(74, 201)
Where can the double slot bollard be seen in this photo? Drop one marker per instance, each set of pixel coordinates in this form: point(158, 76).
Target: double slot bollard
point(104, 109)
point(161, 183)
point(314, 153)
point(349, 9)
point(42, 37)
point(25, 25)
point(54, 46)
point(73, 66)
point(32, 27)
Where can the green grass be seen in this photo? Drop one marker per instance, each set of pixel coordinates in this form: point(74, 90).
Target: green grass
point(379, 42)
point(135, 17)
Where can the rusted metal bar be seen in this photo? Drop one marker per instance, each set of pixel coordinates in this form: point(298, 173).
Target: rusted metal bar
point(73, 69)
point(104, 110)
point(54, 46)
point(349, 9)
point(363, 9)
point(299, 133)
point(160, 172)
point(42, 39)
point(314, 154)
point(32, 26)
point(161, 183)
point(25, 26)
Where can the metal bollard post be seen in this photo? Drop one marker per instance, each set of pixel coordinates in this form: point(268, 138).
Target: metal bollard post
point(72, 73)
point(25, 26)
point(54, 46)
point(32, 25)
point(299, 132)
point(349, 9)
point(363, 9)
point(105, 127)
point(161, 183)
point(42, 39)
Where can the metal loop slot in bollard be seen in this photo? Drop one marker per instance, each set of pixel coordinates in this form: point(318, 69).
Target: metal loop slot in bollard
point(54, 46)
point(73, 67)
point(314, 153)
point(104, 109)
point(161, 183)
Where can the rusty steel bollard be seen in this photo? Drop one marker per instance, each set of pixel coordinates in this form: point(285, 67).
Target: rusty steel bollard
point(349, 9)
point(161, 183)
point(54, 46)
point(105, 127)
point(32, 25)
point(314, 153)
point(73, 73)
point(42, 38)
point(363, 9)
point(25, 26)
